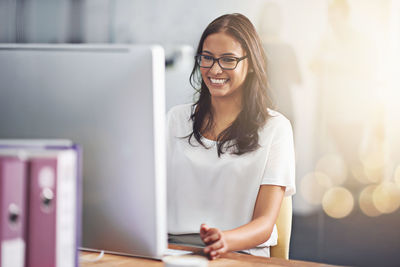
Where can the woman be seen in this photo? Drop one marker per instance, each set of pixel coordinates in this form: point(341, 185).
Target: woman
point(230, 158)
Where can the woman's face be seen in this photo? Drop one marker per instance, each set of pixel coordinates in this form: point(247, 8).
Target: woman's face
point(220, 82)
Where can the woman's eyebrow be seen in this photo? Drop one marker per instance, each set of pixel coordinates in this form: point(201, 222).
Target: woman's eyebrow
point(208, 52)
point(228, 54)
point(224, 54)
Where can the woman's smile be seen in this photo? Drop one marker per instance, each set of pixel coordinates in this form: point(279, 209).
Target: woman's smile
point(218, 81)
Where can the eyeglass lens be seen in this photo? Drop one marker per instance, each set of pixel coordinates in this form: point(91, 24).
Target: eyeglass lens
point(224, 62)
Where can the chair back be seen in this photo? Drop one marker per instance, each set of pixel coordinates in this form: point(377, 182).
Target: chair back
point(284, 227)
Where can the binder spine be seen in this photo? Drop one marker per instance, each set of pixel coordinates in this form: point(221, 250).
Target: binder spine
point(66, 209)
point(12, 211)
point(41, 237)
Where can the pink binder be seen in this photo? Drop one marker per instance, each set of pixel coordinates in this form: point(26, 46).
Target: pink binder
point(41, 236)
point(53, 202)
point(12, 211)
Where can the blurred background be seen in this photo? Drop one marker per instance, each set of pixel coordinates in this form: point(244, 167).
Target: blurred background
point(333, 71)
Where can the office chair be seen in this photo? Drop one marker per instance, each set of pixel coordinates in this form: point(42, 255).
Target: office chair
point(284, 227)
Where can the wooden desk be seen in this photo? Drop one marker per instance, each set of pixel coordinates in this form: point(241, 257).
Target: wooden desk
point(230, 259)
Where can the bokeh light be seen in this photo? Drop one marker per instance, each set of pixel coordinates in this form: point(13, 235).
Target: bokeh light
point(374, 163)
point(313, 187)
point(366, 202)
point(358, 172)
point(375, 175)
point(338, 202)
point(386, 197)
point(334, 166)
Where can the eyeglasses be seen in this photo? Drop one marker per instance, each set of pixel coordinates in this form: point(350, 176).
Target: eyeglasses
point(225, 62)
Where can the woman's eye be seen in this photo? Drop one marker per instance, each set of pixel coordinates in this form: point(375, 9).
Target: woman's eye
point(207, 57)
point(228, 59)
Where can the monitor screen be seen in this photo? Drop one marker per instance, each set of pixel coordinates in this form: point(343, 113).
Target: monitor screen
point(110, 100)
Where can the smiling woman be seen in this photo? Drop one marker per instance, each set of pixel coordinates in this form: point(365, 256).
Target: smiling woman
point(243, 87)
point(230, 157)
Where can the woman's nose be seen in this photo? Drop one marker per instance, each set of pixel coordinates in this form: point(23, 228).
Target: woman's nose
point(216, 68)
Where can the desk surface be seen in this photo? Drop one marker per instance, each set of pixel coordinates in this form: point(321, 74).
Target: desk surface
point(229, 259)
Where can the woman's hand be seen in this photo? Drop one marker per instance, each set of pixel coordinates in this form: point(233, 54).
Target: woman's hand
point(215, 240)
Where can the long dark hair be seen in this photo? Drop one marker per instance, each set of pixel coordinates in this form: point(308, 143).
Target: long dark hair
point(242, 134)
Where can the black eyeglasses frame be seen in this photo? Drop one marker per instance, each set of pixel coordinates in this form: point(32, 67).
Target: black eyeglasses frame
point(238, 59)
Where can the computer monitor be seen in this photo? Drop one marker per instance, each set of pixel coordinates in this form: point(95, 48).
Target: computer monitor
point(110, 100)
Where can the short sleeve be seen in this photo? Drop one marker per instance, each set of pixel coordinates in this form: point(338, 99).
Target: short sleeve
point(176, 125)
point(280, 163)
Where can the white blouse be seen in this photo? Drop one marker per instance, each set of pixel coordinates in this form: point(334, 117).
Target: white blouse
point(222, 192)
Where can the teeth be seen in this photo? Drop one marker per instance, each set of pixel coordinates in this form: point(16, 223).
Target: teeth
point(218, 81)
